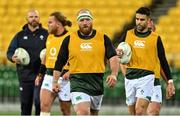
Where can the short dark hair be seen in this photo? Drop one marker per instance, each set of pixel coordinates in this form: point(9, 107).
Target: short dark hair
point(144, 10)
point(61, 18)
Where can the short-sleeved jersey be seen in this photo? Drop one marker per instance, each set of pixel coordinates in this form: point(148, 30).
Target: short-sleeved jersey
point(53, 46)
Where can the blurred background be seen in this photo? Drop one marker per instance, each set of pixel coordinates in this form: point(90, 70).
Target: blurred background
point(112, 17)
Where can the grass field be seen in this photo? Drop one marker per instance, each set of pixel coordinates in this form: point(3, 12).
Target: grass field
point(14, 109)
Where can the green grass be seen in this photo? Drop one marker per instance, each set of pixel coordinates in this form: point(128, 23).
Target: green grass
point(105, 110)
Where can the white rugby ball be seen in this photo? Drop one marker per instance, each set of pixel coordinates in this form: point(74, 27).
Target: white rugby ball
point(22, 55)
point(126, 52)
point(42, 54)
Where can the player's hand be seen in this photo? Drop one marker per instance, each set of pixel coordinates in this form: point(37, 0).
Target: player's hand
point(15, 59)
point(66, 76)
point(119, 52)
point(38, 80)
point(111, 80)
point(170, 90)
point(56, 86)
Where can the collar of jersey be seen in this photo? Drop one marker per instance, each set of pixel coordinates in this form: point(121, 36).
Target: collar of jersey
point(85, 36)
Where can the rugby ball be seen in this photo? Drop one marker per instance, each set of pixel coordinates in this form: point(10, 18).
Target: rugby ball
point(126, 57)
point(42, 54)
point(22, 55)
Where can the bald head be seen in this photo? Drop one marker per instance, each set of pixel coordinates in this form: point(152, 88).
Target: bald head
point(33, 18)
point(32, 11)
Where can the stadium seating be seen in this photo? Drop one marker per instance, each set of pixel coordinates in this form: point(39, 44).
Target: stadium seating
point(168, 27)
point(109, 15)
point(8, 84)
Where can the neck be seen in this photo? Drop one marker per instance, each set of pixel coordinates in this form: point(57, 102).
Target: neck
point(88, 34)
point(143, 31)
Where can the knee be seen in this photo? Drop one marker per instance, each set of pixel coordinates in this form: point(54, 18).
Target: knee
point(154, 108)
point(65, 107)
point(45, 106)
point(81, 112)
point(140, 111)
point(153, 111)
point(66, 111)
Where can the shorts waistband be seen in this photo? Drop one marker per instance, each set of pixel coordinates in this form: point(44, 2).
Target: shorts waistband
point(49, 71)
point(156, 82)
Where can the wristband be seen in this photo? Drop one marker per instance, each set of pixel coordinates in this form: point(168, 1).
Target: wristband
point(40, 75)
point(42, 69)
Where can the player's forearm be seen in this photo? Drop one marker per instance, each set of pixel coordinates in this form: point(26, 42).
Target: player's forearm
point(43, 60)
point(123, 69)
point(114, 65)
point(163, 76)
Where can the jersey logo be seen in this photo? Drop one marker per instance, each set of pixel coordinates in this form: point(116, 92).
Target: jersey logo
point(46, 84)
point(142, 92)
point(86, 46)
point(20, 88)
point(25, 37)
point(41, 37)
point(78, 98)
point(52, 53)
point(157, 96)
point(139, 44)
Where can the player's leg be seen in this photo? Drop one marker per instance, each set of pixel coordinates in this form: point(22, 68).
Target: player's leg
point(65, 107)
point(37, 99)
point(144, 92)
point(81, 102)
point(64, 97)
point(154, 108)
point(141, 106)
point(26, 97)
point(156, 100)
point(131, 109)
point(46, 95)
point(82, 108)
point(130, 95)
point(96, 102)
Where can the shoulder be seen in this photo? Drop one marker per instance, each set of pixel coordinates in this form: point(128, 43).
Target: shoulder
point(100, 32)
point(42, 29)
point(155, 35)
point(20, 34)
point(67, 34)
point(67, 38)
point(130, 31)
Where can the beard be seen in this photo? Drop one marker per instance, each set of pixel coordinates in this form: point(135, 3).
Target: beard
point(140, 27)
point(34, 23)
point(86, 30)
point(52, 30)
